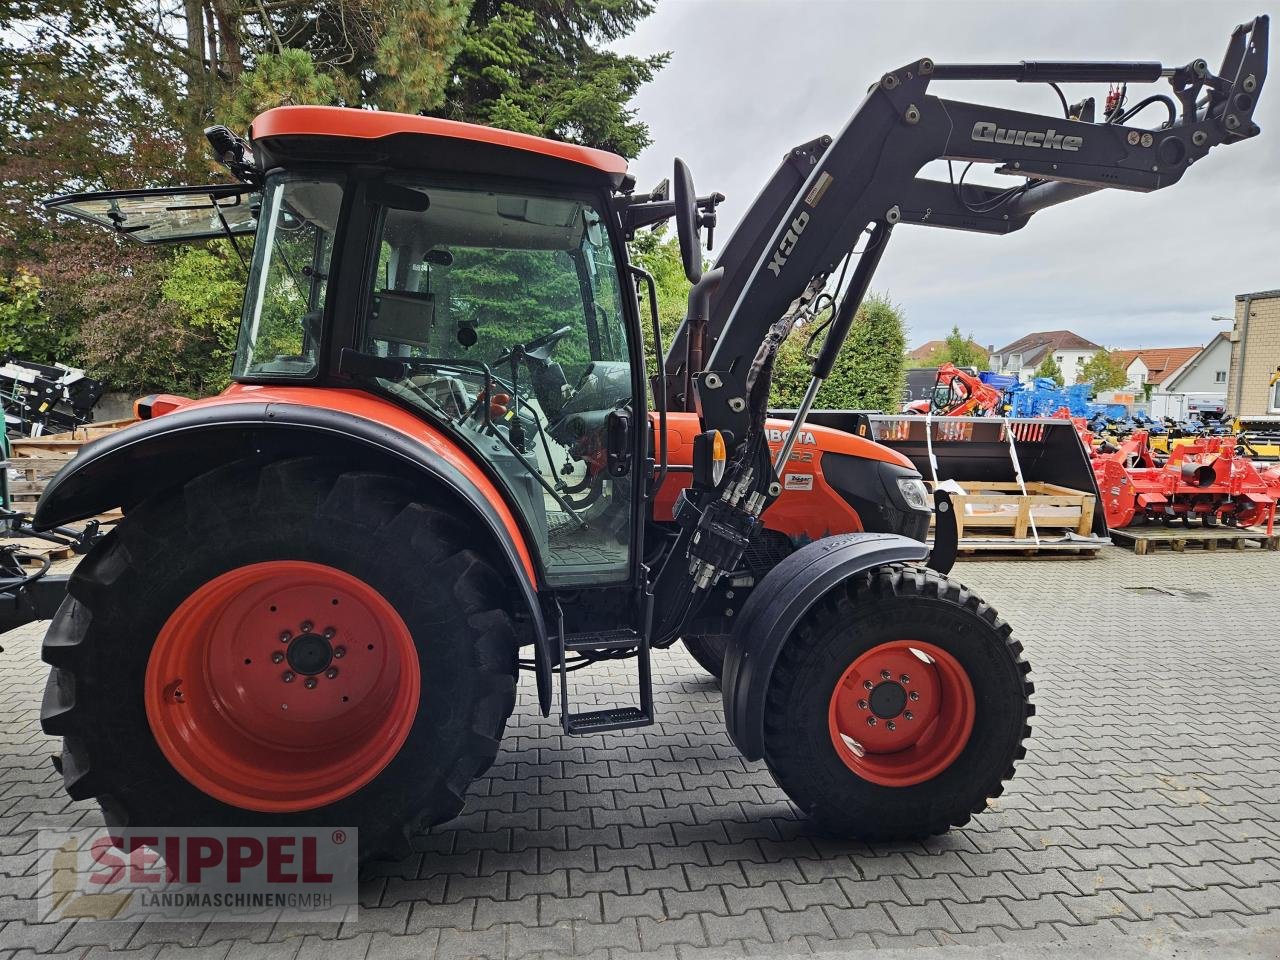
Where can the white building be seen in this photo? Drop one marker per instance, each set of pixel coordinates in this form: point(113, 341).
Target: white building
point(1184, 380)
point(1069, 350)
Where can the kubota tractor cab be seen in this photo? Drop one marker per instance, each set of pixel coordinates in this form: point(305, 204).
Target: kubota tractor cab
point(439, 464)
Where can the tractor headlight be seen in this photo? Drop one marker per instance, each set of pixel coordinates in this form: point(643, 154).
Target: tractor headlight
point(915, 493)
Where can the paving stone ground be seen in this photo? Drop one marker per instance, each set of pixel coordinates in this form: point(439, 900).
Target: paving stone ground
point(1148, 808)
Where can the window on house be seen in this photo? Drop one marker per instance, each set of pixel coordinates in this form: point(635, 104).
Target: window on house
point(1220, 376)
point(1058, 359)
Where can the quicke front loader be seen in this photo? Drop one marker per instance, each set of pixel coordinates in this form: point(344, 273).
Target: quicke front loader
point(438, 464)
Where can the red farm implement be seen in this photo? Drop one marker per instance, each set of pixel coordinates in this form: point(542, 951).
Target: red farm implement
point(1206, 479)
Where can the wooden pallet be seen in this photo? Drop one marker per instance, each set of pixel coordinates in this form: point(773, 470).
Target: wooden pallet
point(34, 546)
point(1147, 539)
point(40, 458)
point(1012, 546)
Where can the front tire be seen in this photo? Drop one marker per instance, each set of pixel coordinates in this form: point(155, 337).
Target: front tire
point(709, 651)
point(178, 620)
point(898, 707)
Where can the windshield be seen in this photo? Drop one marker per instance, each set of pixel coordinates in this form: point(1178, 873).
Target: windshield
point(281, 325)
point(503, 313)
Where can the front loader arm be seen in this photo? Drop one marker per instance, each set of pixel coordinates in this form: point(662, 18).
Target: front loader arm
point(864, 182)
point(867, 175)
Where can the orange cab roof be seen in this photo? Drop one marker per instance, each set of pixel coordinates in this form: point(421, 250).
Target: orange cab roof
point(371, 124)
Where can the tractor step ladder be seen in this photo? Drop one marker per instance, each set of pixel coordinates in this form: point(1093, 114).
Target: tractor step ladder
point(611, 718)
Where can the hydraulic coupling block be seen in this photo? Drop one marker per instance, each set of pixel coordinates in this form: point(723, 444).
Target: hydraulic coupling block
point(722, 535)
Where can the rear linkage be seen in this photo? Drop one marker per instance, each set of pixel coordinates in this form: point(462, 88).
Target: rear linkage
point(829, 193)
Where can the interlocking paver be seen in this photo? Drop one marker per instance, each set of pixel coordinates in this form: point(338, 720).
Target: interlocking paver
point(1141, 809)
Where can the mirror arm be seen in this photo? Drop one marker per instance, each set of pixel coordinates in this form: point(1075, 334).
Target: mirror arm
point(659, 383)
point(696, 322)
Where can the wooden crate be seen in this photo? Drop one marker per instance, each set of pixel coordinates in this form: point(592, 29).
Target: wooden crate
point(1002, 506)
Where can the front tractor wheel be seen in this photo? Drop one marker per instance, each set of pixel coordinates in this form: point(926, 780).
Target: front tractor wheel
point(282, 643)
point(898, 708)
point(708, 650)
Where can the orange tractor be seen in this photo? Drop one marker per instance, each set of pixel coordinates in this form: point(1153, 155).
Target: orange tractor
point(440, 464)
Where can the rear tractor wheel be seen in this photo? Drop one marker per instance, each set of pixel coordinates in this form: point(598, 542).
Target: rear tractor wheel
point(282, 643)
point(898, 708)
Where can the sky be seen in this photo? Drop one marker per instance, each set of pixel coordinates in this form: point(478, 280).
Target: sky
point(749, 79)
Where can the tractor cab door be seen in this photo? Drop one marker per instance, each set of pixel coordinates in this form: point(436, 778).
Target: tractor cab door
point(508, 308)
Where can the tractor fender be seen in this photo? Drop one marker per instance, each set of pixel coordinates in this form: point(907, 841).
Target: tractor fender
point(130, 465)
point(775, 608)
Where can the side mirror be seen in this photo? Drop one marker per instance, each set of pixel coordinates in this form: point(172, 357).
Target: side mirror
point(686, 202)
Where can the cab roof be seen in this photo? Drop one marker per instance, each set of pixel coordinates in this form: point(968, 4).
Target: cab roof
point(399, 138)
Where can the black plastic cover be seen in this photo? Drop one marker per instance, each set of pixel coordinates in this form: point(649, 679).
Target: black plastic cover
point(777, 605)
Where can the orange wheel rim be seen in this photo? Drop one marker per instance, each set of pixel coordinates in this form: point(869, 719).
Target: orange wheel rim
point(282, 686)
point(901, 713)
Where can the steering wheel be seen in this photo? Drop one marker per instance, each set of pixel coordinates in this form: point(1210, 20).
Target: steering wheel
point(539, 348)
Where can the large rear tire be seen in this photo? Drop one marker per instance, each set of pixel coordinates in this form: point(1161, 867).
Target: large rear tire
point(898, 707)
point(204, 599)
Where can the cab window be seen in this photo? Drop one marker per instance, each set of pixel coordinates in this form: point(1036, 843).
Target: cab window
point(288, 279)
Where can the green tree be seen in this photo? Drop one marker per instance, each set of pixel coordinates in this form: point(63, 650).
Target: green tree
point(959, 350)
point(141, 339)
point(115, 93)
point(544, 67)
point(1049, 368)
point(205, 287)
point(1104, 371)
point(868, 372)
point(27, 329)
point(278, 79)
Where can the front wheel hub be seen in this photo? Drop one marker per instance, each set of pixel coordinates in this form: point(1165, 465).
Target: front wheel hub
point(309, 654)
point(887, 700)
point(901, 713)
point(282, 733)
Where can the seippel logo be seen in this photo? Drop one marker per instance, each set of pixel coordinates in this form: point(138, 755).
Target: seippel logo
point(788, 243)
point(986, 132)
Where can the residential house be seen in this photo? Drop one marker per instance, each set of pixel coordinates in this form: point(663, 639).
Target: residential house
point(1070, 350)
point(1180, 380)
point(1153, 364)
point(1255, 355)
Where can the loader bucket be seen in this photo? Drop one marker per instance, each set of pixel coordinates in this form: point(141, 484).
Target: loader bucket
point(977, 449)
